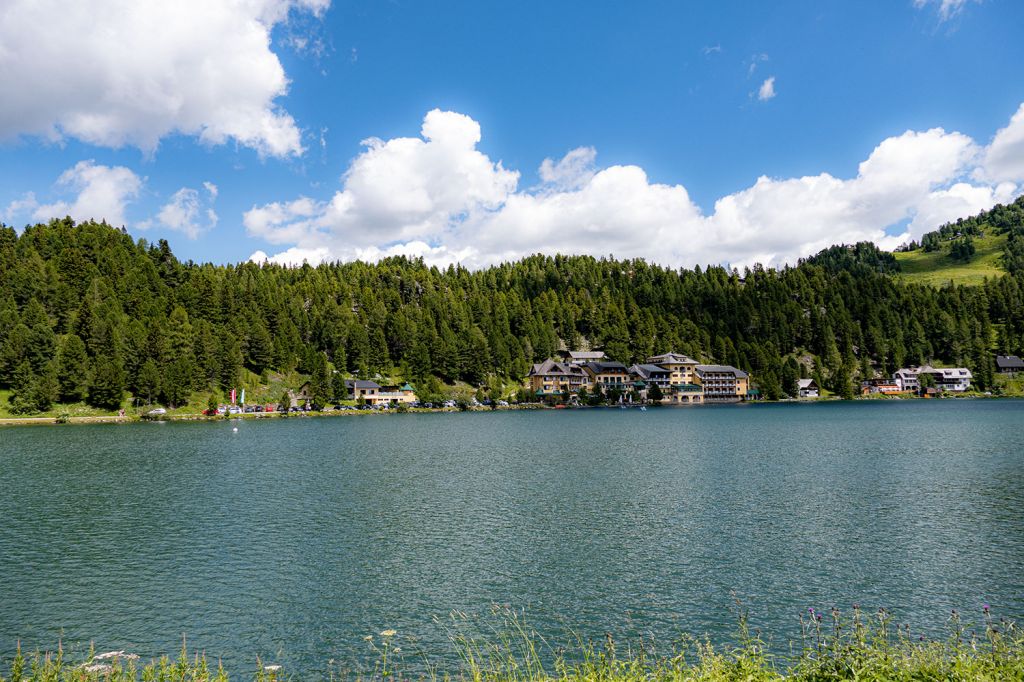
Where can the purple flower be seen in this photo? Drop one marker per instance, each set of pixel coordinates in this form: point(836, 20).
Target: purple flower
point(984, 607)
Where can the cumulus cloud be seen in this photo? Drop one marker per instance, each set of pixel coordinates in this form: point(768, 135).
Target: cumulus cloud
point(101, 193)
point(572, 171)
point(130, 72)
point(182, 213)
point(767, 89)
point(400, 190)
point(1004, 158)
point(439, 198)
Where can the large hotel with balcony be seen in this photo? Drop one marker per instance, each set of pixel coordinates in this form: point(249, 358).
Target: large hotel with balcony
point(677, 378)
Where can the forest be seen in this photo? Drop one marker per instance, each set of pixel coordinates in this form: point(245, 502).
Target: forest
point(89, 314)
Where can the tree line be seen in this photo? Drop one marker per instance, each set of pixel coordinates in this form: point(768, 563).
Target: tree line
point(87, 313)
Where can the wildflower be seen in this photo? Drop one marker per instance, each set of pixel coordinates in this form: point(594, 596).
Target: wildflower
point(985, 607)
point(388, 633)
point(397, 649)
point(368, 638)
point(271, 668)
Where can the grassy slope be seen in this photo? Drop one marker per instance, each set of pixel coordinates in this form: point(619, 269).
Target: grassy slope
point(936, 268)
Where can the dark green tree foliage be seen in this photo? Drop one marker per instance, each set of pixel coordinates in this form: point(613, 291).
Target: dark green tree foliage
point(148, 382)
point(72, 369)
point(107, 387)
point(134, 305)
point(962, 249)
point(655, 393)
point(320, 380)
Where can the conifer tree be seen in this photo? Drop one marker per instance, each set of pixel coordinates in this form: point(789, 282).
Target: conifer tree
point(72, 369)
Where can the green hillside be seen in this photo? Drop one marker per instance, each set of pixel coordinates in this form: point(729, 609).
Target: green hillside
point(937, 268)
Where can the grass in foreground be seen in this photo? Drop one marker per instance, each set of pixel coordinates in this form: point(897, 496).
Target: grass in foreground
point(833, 647)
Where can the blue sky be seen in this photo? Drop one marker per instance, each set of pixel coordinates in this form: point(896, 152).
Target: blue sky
point(236, 131)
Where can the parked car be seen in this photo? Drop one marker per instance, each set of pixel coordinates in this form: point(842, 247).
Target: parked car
point(258, 408)
point(156, 412)
point(222, 409)
point(249, 409)
point(234, 409)
point(502, 403)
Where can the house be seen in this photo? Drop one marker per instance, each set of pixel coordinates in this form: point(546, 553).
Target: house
point(303, 398)
point(652, 375)
point(956, 379)
point(807, 388)
point(680, 366)
point(393, 395)
point(907, 380)
point(610, 376)
point(361, 388)
point(722, 383)
point(582, 357)
point(686, 394)
point(1010, 365)
point(551, 379)
point(883, 386)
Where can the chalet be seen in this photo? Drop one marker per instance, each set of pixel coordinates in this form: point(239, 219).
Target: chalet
point(807, 388)
point(582, 357)
point(303, 398)
point(610, 376)
point(361, 388)
point(652, 375)
point(393, 395)
point(881, 386)
point(552, 379)
point(722, 383)
point(1010, 365)
point(680, 366)
point(907, 380)
point(956, 379)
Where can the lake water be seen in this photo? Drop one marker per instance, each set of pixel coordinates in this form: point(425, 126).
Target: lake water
point(293, 539)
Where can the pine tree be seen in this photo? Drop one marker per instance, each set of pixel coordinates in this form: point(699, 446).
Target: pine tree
point(72, 369)
point(148, 382)
point(106, 390)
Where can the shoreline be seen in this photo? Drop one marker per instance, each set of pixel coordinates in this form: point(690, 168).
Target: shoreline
point(198, 417)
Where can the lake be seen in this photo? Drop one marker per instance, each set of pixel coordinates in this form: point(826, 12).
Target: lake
point(293, 539)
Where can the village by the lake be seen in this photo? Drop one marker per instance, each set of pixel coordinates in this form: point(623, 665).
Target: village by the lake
point(527, 341)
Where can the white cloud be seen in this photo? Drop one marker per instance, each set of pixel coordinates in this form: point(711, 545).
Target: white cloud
point(182, 212)
point(947, 8)
point(130, 72)
point(101, 193)
point(959, 201)
point(21, 207)
point(572, 171)
point(404, 189)
point(441, 199)
point(767, 89)
point(1004, 158)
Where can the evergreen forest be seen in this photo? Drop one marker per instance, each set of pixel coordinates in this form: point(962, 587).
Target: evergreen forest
point(89, 314)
